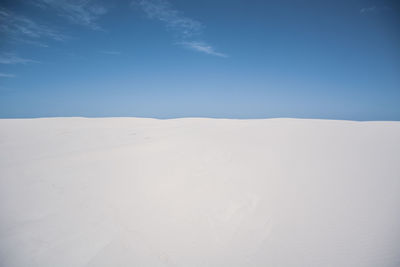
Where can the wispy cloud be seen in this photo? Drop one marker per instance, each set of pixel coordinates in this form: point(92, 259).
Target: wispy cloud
point(12, 58)
point(110, 52)
point(187, 30)
point(202, 47)
point(162, 10)
point(367, 9)
point(6, 75)
point(20, 28)
point(374, 9)
point(81, 12)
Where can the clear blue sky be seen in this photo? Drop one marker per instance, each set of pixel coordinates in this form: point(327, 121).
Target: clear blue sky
point(209, 58)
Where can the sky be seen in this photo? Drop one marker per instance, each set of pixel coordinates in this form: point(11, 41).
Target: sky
point(210, 58)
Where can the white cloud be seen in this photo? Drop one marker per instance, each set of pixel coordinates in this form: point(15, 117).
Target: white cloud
point(375, 9)
point(98, 10)
point(31, 42)
point(162, 10)
point(185, 28)
point(85, 13)
point(368, 9)
point(202, 47)
point(20, 28)
point(11, 58)
point(6, 75)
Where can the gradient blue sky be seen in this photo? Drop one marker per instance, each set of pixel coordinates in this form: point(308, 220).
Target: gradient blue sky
point(210, 58)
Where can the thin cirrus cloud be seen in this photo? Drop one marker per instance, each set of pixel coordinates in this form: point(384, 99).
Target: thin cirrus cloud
point(162, 10)
point(12, 58)
point(20, 28)
point(202, 47)
point(375, 9)
point(6, 75)
point(367, 9)
point(84, 13)
point(186, 30)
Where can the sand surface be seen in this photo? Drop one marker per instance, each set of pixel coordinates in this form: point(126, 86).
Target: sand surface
point(199, 192)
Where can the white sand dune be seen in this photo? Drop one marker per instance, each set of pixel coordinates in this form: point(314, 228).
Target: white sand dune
point(199, 192)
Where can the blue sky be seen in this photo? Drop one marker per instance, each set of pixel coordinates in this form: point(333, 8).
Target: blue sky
point(210, 58)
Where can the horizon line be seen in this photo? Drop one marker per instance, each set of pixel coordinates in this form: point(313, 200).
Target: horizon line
point(191, 117)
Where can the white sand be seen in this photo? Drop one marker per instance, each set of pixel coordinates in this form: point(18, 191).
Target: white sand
point(199, 192)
